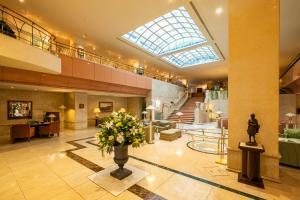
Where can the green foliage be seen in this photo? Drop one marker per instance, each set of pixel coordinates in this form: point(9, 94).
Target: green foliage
point(292, 133)
point(120, 129)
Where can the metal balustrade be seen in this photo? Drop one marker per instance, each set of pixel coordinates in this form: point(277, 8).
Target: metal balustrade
point(19, 27)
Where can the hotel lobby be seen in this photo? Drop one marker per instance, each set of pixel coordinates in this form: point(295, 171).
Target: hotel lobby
point(153, 100)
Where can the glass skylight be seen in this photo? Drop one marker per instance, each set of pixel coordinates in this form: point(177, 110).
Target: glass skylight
point(200, 55)
point(169, 35)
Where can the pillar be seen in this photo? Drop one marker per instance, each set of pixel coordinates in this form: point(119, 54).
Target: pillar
point(135, 106)
point(76, 110)
point(253, 77)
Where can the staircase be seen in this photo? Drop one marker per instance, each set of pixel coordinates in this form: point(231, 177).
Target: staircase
point(187, 109)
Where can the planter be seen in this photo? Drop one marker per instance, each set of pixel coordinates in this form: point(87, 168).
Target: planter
point(120, 158)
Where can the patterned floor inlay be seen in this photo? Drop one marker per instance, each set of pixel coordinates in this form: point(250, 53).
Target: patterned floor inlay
point(191, 176)
point(135, 189)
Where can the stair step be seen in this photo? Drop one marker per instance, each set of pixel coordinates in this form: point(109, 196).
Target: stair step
point(187, 109)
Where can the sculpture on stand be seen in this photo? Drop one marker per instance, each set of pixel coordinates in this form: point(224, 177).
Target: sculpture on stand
point(253, 128)
point(250, 173)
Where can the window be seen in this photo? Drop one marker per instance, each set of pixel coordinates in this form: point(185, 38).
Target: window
point(200, 55)
point(169, 36)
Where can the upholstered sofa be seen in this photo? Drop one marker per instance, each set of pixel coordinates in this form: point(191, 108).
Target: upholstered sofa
point(162, 125)
point(158, 125)
point(289, 147)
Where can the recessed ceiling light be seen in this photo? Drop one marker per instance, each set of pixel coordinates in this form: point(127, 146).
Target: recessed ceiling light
point(94, 48)
point(35, 89)
point(12, 87)
point(219, 11)
point(22, 1)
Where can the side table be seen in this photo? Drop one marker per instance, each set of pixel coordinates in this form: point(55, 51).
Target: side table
point(251, 164)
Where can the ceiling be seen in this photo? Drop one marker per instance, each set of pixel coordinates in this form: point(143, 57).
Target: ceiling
point(101, 23)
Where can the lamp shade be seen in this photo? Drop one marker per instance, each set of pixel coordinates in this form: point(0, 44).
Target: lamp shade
point(290, 114)
point(144, 112)
point(122, 110)
point(97, 110)
point(219, 112)
point(51, 116)
point(179, 113)
point(62, 107)
point(150, 107)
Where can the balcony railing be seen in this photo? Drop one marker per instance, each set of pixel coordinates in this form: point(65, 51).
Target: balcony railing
point(23, 29)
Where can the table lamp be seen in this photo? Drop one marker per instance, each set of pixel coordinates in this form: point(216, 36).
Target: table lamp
point(97, 111)
point(51, 116)
point(290, 118)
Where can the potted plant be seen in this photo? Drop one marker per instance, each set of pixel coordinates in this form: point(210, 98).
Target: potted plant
point(117, 132)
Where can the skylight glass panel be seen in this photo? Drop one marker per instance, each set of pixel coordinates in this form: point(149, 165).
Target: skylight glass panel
point(201, 55)
point(173, 31)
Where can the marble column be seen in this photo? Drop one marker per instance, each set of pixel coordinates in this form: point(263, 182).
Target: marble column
point(76, 110)
point(254, 79)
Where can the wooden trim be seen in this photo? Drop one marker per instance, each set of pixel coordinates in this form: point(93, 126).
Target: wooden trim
point(19, 76)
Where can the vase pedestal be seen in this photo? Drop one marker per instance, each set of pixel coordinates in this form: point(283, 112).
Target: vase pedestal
point(121, 157)
point(120, 173)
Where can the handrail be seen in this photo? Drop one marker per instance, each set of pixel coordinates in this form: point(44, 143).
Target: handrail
point(35, 35)
point(176, 106)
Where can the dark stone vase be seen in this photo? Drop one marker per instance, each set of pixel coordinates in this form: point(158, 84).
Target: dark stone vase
point(121, 157)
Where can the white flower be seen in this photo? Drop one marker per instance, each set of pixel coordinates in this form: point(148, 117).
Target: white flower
point(108, 124)
point(133, 130)
point(120, 138)
point(110, 137)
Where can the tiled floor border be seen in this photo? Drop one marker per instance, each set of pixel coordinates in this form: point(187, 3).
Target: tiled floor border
point(192, 177)
point(135, 189)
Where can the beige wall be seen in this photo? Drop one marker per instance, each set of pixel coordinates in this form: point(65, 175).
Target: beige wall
point(287, 104)
point(298, 100)
point(93, 102)
point(41, 103)
point(17, 54)
point(253, 79)
point(76, 117)
point(164, 93)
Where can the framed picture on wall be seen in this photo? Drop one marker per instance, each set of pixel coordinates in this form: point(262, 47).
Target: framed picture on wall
point(19, 109)
point(106, 106)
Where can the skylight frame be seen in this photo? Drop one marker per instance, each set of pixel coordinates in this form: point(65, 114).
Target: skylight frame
point(162, 39)
point(201, 55)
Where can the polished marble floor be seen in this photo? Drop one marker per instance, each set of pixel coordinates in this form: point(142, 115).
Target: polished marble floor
point(58, 168)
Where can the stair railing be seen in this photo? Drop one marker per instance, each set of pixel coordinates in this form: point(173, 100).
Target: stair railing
point(167, 111)
point(21, 28)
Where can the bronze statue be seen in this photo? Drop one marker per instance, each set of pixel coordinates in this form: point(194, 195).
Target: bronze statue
point(253, 128)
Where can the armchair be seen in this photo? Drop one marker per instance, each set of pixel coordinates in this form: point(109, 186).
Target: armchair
point(50, 129)
point(21, 131)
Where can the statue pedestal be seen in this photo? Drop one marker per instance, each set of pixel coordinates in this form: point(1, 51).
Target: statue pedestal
point(251, 164)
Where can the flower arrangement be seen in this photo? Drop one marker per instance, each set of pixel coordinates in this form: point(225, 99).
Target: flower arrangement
point(120, 129)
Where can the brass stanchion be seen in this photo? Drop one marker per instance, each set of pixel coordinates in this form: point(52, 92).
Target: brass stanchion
point(221, 143)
